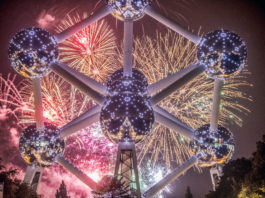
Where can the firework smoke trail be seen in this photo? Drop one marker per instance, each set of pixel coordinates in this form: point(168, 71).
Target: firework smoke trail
point(166, 54)
point(92, 51)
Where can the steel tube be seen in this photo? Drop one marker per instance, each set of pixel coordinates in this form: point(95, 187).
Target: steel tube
point(96, 96)
point(151, 192)
point(177, 84)
point(75, 171)
point(168, 115)
point(128, 48)
point(186, 132)
point(216, 104)
point(170, 24)
point(71, 128)
point(84, 78)
point(60, 37)
point(36, 83)
point(165, 82)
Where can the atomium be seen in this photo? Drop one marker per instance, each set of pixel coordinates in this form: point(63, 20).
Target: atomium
point(128, 9)
point(41, 147)
point(127, 113)
point(217, 146)
point(31, 51)
point(223, 53)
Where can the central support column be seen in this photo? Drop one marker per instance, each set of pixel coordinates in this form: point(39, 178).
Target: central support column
point(126, 168)
point(128, 48)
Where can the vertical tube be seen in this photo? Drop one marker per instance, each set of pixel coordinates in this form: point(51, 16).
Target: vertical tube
point(36, 82)
point(128, 47)
point(151, 192)
point(216, 104)
point(177, 28)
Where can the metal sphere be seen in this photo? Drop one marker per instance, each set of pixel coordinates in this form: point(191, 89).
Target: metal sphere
point(41, 147)
point(128, 9)
point(127, 114)
point(31, 51)
point(223, 53)
point(217, 146)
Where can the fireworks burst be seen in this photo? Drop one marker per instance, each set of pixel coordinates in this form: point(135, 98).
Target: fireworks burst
point(92, 50)
point(11, 102)
point(163, 56)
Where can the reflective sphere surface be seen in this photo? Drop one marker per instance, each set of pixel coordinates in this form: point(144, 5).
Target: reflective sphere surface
point(218, 146)
point(126, 113)
point(31, 51)
point(223, 53)
point(128, 9)
point(41, 147)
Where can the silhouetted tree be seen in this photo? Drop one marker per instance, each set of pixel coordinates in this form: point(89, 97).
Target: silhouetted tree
point(243, 177)
point(62, 192)
point(188, 193)
point(14, 188)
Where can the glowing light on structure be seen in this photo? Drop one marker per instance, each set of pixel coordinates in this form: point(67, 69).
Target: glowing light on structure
point(218, 146)
point(128, 9)
point(91, 51)
point(41, 147)
point(223, 53)
point(127, 113)
point(166, 54)
point(31, 51)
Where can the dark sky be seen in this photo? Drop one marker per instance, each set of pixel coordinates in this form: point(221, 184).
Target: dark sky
point(246, 17)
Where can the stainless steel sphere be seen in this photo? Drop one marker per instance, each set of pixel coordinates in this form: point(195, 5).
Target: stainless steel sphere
point(128, 9)
point(217, 146)
point(223, 53)
point(127, 114)
point(41, 147)
point(31, 51)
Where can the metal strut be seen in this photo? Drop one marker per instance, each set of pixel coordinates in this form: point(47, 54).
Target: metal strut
point(126, 168)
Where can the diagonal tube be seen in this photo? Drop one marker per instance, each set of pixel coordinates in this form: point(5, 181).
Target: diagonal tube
point(36, 83)
point(182, 130)
point(85, 79)
point(96, 96)
point(177, 84)
point(151, 192)
point(168, 115)
point(170, 24)
point(75, 171)
point(128, 47)
point(216, 104)
point(93, 110)
point(71, 128)
point(165, 82)
point(104, 11)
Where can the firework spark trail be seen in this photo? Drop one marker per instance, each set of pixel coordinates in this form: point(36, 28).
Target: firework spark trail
point(166, 54)
point(11, 101)
point(92, 51)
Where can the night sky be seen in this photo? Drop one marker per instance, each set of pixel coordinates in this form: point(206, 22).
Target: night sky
point(245, 17)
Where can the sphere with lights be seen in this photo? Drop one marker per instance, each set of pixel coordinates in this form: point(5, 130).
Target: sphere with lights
point(128, 9)
point(41, 147)
point(31, 51)
point(217, 147)
point(223, 53)
point(127, 114)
